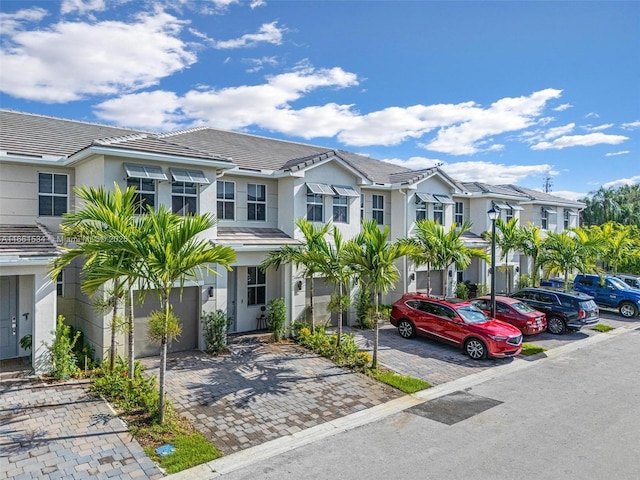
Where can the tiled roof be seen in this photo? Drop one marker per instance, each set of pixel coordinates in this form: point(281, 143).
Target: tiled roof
point(253, 236)
point(375, 170)
point(542, 197)
point(26, 241)
point(39, 135)
point(479, 187)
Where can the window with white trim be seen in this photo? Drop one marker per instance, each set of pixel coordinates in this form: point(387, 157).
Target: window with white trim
point(60, 284)
point(226, 196)
point(508, 214)
point(421, 211)
point(544, 219)
point(315, 204)
point(362, 206)
point(567, 219)
point(256, 286)
point(256, 202)
point(340, 209)
point(145, 193)
point(377, 209)
point(438, 213)
point(52, 194)
point(184, 198)
point(458, 216)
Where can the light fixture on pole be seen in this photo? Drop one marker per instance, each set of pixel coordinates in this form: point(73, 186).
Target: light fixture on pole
point(493, 216)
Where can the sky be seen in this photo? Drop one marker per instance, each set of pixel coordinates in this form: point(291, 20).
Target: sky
point(496, 92)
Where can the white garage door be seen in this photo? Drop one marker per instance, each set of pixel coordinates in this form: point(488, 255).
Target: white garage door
point(186, 309)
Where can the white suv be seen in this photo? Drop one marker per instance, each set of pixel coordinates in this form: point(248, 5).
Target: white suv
point(629, 279)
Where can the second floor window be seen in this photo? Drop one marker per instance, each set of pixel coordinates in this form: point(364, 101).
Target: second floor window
point(340, 209)
point(544, 221)
point(256, 202)
point(508, 214)
point(438, 213)
point(421, 211)
point(377, 209)
point(145, 193)
point(226, 195)
point(458, 215)
point(52, 194)
point(315, 203)
point(184, 198)
point(256, 286)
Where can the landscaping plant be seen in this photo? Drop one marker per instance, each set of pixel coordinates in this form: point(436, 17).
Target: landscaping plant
point(61, 351)
point(215, 325)
point(276, 317)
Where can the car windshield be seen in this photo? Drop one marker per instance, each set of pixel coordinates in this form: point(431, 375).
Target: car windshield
point(472, 314)
point(522, 307)
point(619, 284)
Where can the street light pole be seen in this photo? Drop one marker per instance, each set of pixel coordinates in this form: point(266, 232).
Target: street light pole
point(493, 216)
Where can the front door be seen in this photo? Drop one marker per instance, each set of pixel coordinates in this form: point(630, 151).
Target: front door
point(8, 317)
point(232, 277)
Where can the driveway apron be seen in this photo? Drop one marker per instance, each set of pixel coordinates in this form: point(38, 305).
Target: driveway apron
point(263, 391)
point(61, 431)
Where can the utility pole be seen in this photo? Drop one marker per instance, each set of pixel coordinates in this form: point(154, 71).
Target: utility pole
point(548, 183)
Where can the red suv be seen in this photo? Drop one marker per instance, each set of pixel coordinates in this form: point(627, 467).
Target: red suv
point(458, 323)
point(515, 312)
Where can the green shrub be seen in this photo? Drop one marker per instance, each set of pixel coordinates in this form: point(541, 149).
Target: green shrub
point(216, 325)
point(364, 306)
point(130, 395)
point(524, 280)
point(483, 289)
point(347, 355)
point(462, 291)
point(276, 318)
point(61, 351)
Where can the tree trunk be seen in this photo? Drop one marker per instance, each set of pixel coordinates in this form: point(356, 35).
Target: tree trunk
point(428, 278)
point(339, 340)
point(313, 321)
point(131, 337)
point(376, 334)
point(163, 363)
point(112, 356)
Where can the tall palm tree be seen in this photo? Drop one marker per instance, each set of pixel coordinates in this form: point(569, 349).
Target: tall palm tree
point(306, 255)
point(453, 251)
point(426, 242)
point(616, 241)
point(530, 242)
point(174, 252)
point(508, 239)
point(105, 214)
point(374, 258)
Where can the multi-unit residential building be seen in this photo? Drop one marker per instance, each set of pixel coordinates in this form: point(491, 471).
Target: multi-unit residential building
point(257, 187)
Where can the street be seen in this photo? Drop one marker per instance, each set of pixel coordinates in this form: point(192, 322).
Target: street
point(570, 416)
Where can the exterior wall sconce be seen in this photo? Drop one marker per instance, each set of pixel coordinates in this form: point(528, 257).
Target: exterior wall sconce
point(210, 292)
point(412, 276)
point(299, 285)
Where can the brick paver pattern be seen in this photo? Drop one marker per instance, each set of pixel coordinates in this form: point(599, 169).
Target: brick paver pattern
point(62, 431)
point(264, 391)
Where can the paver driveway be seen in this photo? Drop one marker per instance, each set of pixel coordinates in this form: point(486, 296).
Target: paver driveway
point(61, 431)
point(263, 391)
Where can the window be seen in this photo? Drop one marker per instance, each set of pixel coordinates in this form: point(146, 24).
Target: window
point(421, 211)
point(226, 195)
point(256, 202)
point(184, 198)
point(567, 222)
point(362, 206)
point(257, 286)
point(145, 193)
point(52, 194)
point(438, 213)
point(377, 209)
point(340, 209)
point(458, 215)
point(508, 214)
point(60, 284)
point(314, 207)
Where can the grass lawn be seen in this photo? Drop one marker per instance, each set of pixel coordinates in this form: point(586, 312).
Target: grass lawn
point(601, 327)
point(404, 383)
point(530, 349)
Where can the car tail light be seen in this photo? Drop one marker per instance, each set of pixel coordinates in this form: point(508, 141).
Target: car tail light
point(582, 314)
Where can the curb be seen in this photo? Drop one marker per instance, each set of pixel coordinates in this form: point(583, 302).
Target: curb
point(244, 458)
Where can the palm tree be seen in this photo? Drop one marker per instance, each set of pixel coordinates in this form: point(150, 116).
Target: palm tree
point(374, 259)
point(174, 253)
point(426, 243)
point(617, 243)
point(307, 255)
point(508, 239)
point(452, 250)
point(530, 242)
point(105, 214)
point(332, 265)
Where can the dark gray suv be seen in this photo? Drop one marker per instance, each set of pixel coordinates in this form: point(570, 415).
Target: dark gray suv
point(565, 310)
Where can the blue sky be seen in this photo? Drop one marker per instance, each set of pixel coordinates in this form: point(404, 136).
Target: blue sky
point(498, 92)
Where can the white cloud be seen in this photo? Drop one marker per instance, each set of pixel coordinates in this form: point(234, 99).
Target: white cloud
point(492, 173)
point(598, 128)
point(415, 163)
point(592, 115)
point(259, 63)
point(562, 108)
point(631, 125)
point(257, 3)
point(580, 140)
point(614, 154)
point(82, 6)
point(623, 181)
point(70, 60)
point(10, 23)
point(149, 110)
point(268, 33)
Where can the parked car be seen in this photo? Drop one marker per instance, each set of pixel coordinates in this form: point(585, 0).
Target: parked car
point(630, 279)
point(515, 312)
point(610, 292)
point(564, 310)
point(458, 323)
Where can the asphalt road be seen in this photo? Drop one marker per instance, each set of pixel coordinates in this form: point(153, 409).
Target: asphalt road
point(569, 416)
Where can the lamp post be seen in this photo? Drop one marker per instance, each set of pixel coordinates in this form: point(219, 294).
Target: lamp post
point(493, 216)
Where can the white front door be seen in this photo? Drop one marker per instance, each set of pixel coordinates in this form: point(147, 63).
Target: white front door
point(8, 317)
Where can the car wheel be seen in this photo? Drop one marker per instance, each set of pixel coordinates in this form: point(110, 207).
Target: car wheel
point(556, 326)
point(475, 348)
point(406, 329)
point(628, 310)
